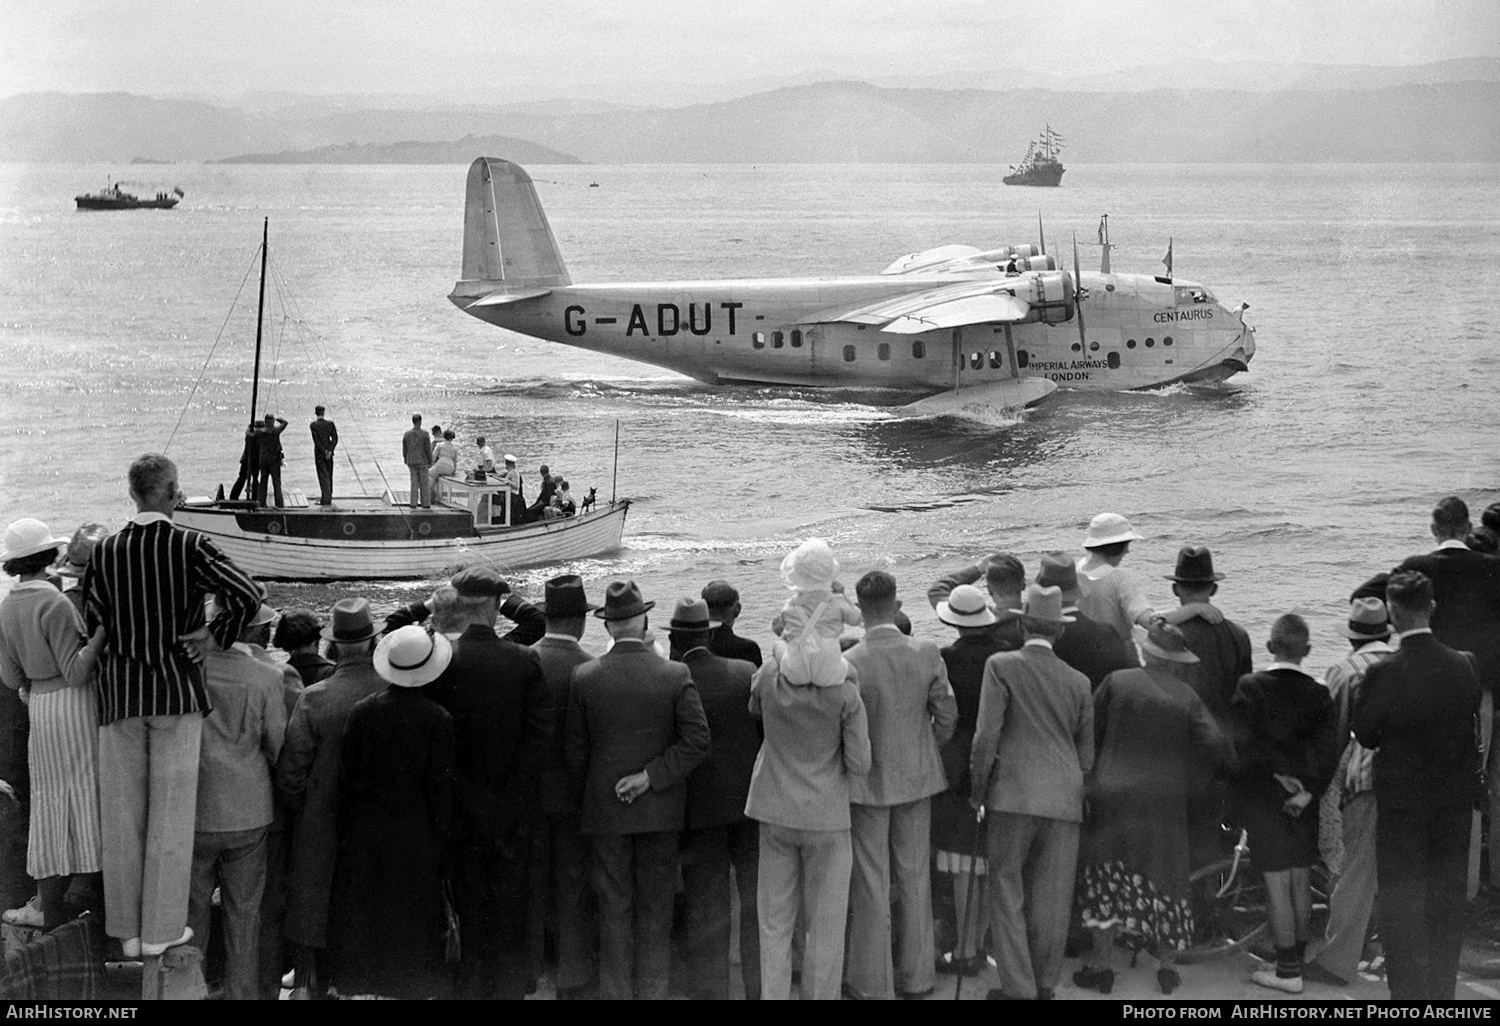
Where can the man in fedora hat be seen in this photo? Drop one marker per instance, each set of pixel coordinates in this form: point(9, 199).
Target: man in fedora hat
point(529, 622)
point(496, 693)
point(724, 609)
point(635, 731)
point(1109, 595)
point(1091, 648)
point(1352, 797)
point(1003, 577)
point(911, 712)
point(1221, 645)
point(242, 737)
point(719, 836)
point(560, 856)
point(307, 776)
point(1033, 743)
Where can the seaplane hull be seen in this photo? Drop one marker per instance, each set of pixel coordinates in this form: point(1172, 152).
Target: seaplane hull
point(949, 320)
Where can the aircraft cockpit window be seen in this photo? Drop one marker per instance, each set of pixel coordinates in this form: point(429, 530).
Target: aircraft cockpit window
point(778, 339)
point(1184, 295)
point(758, 340)
point(918, 349)
point(883, 351)
point(848, 354)
point(995, 361)
point(796, 338)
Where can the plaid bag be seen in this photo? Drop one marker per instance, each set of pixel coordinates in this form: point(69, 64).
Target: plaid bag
point(64, 965)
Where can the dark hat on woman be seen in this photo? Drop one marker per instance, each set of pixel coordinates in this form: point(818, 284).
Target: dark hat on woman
point(1195, 565)
point(351, 622)
point(622, 601)
point(565, 597)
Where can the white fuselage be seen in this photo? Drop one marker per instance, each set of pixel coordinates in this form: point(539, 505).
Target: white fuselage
point(1140, 333)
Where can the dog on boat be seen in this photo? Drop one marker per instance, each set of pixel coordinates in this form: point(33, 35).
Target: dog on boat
point(588, 502)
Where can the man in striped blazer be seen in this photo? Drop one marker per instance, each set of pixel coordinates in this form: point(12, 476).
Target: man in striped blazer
point(146, 587)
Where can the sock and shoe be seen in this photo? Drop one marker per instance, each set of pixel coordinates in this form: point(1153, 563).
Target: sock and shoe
point(1287, 976)
point(1092, 978)
point(1168, 979)
point(29, 914)
point(155, 950)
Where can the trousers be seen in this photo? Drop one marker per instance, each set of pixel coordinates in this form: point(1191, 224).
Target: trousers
point(634, 876)
point(892, 851)
point(803, 874)
point(715, 852)
point(1032, 862)
point(235, 860)
point(1421, 860)
point(421, 485)
point(323, 463)
point(148, 799)
point(1353, 899)
point(560, 886)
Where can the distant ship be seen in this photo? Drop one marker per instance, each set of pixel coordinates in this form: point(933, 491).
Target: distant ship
point(113, 197)
point(1040, 165)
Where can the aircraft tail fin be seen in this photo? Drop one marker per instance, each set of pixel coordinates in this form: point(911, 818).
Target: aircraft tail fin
point(507, 240)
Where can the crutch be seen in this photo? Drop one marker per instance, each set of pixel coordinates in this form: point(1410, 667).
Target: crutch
point(963, 928)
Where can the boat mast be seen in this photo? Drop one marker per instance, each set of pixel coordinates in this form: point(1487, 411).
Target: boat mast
point(259, 313)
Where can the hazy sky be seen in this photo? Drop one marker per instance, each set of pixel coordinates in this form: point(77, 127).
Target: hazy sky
point(543, 47)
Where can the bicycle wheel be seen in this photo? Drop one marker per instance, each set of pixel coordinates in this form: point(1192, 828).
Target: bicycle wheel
point(1229, 910)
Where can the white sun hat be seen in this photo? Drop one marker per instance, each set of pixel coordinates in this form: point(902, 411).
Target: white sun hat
point(1109, 529)
point(27, 538)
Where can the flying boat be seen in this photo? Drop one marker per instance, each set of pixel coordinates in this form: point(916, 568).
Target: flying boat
point(970, 329)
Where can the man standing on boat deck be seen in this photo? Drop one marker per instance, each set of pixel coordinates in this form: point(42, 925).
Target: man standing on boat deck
point(268, 439)
point(416, 450)
point(325, 438)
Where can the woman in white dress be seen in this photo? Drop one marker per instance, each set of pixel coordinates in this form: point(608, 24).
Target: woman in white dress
point(444, 458)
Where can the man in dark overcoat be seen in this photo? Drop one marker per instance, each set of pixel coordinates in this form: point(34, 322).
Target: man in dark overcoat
point(497, 697)
point(635, 731)
point(719, 834)
point(1092, 648)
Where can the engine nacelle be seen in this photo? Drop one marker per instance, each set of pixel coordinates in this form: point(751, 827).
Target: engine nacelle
point(1038, 263)
point(1053, 297)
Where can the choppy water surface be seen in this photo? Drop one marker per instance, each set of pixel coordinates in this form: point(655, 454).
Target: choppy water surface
point(1373, 393)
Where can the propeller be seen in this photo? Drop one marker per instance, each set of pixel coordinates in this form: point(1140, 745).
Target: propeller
point(1041, 235)
point(1078, 293)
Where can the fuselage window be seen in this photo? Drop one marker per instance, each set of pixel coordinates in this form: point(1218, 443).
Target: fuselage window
point(1130, 344)
point(1093, 347)
point(1022, 358)
point(976, 361)
point(777, 340)
point(796, 338)
point(995, 361)
point(1113, 359)
point(1167, 340)
point(918, 349)
point(758, 340)
point(1150, 343)
point(848, 354)
point(883, 351)
point(1077, 347)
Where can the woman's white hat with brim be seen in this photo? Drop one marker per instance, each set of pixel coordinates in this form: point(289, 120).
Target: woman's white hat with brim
point(27, 538)
point(1109, 529)
point(966, 607)
point(411, 656)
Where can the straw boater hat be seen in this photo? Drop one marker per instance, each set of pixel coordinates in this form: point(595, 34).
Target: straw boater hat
point(966, 607)
point(1368, 619)
point(1108, 529)
point(1166, 642)
point(80, 548)
point(27, 538)
point(411, 656)
point(622, 601)
point(1059, 572)
point(1195, 565)
point(1041, 603)
point(564, 596)
point(691, 614)
point(351, 622)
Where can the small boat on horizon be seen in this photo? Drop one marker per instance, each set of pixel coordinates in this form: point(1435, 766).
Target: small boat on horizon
point(113, 197)
point(387, 536)
point(1041, 165)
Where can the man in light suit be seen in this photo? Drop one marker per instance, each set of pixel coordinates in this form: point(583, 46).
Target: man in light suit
point(911, 710)
point(635, 731)
point(719, 835)
point(1032, 746)
point(560, 856)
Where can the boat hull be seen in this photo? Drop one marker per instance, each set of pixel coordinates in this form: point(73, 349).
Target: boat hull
point(303, 556)
point(93, 203)
point(1045, 176)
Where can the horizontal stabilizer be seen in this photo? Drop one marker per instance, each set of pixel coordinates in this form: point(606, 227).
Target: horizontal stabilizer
point(504, 297)
point(988, 402)
point(955, 313)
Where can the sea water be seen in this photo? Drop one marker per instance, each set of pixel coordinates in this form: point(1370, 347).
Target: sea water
point(1372, 394)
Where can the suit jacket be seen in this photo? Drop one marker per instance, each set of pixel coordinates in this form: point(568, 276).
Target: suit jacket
point(1420, 709)
point(559, 657)
point(325, 436)
point(718, 788)
point(724, 642)
point(911, 711)
point(242, 739)
point(1283, 721)
point(497, 697)
point(817, 741)
point(1035, 737)
point(631, 710)
point(1224, 656)
point(1094, 649)
point(1466, 587)
point(416, 448)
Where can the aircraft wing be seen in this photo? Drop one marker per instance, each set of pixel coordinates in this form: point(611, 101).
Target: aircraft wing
point(932, 259)
point(948, 306)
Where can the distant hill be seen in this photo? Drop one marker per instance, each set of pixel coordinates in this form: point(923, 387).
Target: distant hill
point(410, 152)
point(827, 122)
